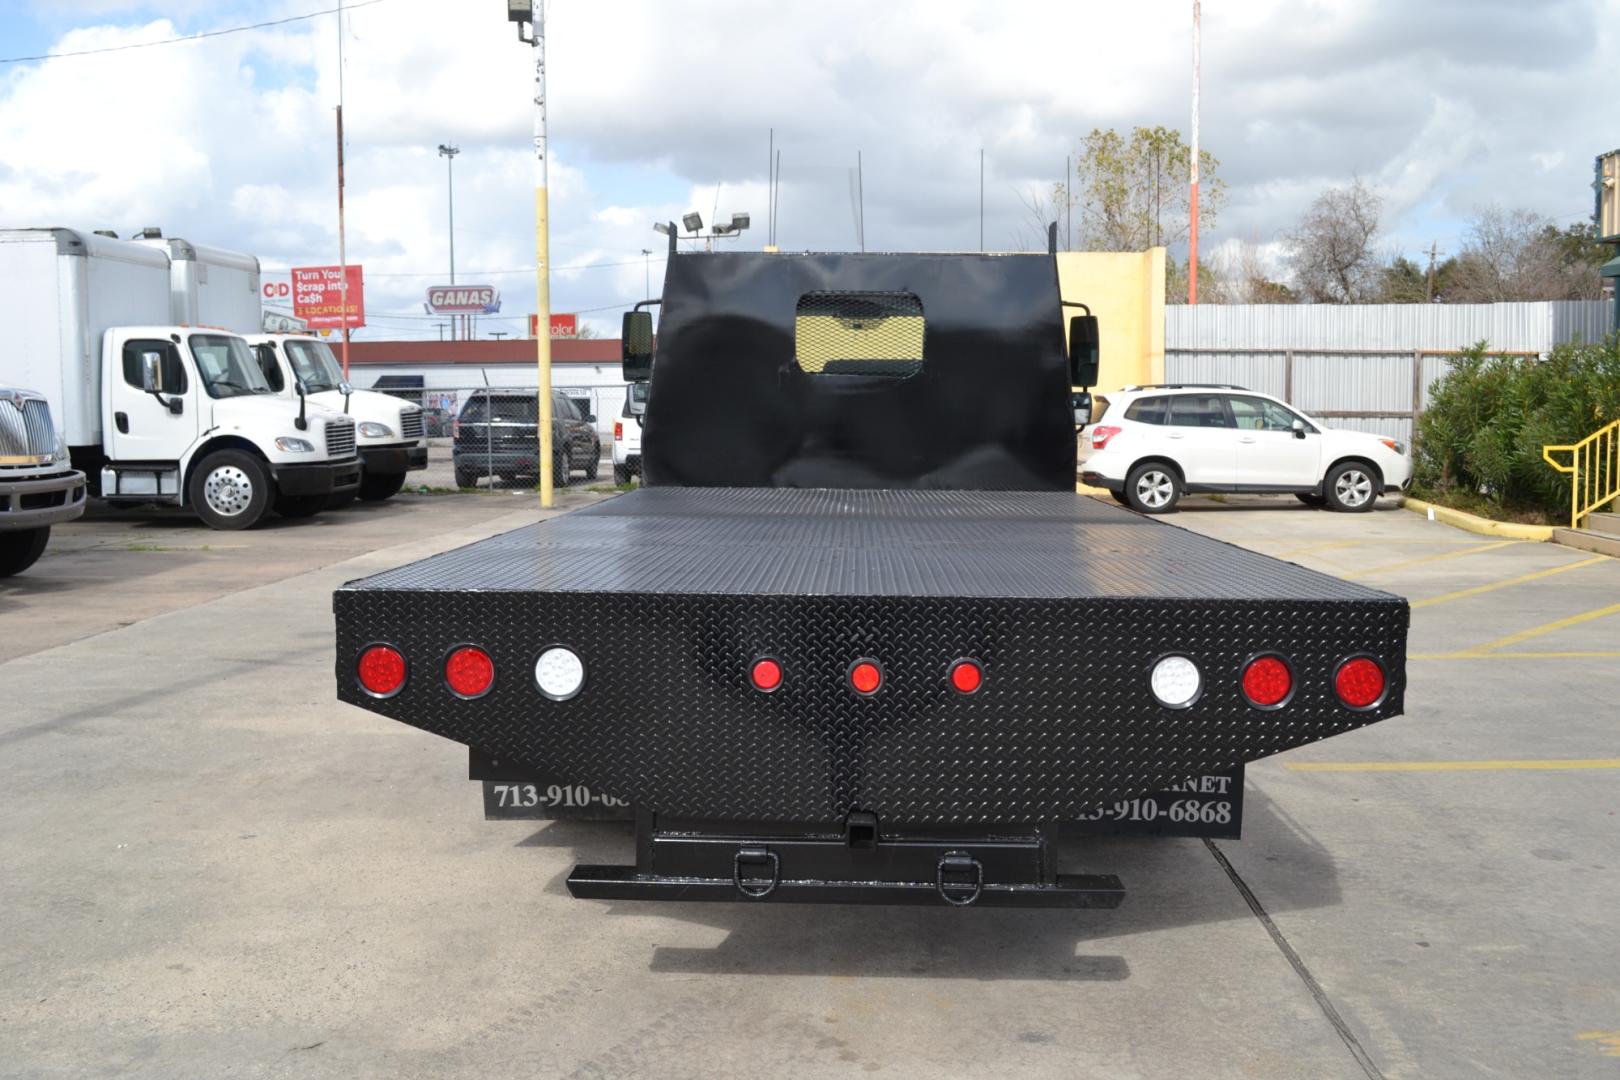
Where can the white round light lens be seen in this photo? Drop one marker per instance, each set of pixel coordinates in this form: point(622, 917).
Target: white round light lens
point(1176, 682)
point(559, 673)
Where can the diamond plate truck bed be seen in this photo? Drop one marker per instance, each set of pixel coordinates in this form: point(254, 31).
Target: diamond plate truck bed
point(669, 595)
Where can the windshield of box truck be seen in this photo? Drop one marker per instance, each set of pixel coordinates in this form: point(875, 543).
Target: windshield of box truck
point(314, 364)
point(226, 366)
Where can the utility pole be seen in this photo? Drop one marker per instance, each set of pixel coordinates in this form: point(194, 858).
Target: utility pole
point(981, 199)
point(343, 252)
point(646, 272)
point(1192, 243)
point(520, 12)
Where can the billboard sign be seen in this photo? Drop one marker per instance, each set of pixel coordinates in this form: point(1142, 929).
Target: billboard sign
point(463, 300)
point(317, 296)
point(562, 326)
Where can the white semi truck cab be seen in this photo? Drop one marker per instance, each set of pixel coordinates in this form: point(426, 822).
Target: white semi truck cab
point(38, 488)
point(154, 412)
point(389, 431)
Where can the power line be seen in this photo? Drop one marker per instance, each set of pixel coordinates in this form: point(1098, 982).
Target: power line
point(189, 37)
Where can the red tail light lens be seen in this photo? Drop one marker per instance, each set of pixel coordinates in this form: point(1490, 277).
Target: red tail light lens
point(1360, 682)
point(966, 676)
point(1267, 681)
point(469, 672)
point(766, 674)
point(1101, 434)
point(380, 670)
point(618, 431)
point(865, 677)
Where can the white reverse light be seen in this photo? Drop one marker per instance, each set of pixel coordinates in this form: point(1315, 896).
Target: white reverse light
point(1176, 682)
point(559, 673)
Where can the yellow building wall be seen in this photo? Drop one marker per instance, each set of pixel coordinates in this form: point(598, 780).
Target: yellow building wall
point(1125, 290)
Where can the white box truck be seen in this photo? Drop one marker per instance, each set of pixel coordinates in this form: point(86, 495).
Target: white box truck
point(389, 430)
point(38, 488)
point(210, 286)
point(154, 411)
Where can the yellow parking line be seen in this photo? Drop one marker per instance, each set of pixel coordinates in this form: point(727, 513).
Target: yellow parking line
point(1452, 766)
point(1520, 580)
point(1475, 550)
point(1513, 655)
point(1544, 628)
point(1310, 549)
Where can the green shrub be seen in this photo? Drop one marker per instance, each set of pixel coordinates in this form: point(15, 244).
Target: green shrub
point(1489, 417)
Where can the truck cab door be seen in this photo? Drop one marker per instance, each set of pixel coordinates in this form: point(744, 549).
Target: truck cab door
point(157, 425)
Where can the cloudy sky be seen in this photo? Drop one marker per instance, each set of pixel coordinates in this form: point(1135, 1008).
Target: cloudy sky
point(660, 107)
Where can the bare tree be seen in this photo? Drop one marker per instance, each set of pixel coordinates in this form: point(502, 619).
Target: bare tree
point(1521, 255)
point(1332, 252)
point(1240, 277)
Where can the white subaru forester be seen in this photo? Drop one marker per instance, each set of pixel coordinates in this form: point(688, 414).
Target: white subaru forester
point(1149, 445)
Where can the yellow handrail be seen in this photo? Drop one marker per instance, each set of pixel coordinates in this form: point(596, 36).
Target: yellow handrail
point(1593, 470)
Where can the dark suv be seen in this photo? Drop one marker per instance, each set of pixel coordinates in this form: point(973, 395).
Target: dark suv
point(495, 436)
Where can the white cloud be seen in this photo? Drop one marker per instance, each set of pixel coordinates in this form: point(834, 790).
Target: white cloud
point(230, 141)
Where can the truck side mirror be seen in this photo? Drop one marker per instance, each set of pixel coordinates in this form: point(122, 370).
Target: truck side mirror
point(1080, 402)
point(152, 372)
point(636, 346)
point(1299, 429)
point(1083, 350)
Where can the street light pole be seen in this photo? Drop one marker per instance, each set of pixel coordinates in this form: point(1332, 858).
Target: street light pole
point(449, 151)
point(646, 272)
point(520, 12)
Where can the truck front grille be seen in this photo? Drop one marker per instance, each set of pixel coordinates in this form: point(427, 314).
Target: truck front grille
point(410, 425)
point(26, 429)
point(339, 438)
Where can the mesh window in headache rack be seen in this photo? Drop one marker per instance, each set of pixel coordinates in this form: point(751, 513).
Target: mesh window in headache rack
point(859, 333)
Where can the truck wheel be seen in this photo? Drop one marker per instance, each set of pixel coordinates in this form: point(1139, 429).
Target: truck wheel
point(594, 465)
point(20, 549)
point(561, 467)
point(1351, 487)
point(466, 478)
point(376, 487)
point(230, 490)
point(300, 506)
point(621, 474)
point(1152, 488)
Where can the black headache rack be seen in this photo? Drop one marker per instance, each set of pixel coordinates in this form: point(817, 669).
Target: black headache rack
point(814, 791)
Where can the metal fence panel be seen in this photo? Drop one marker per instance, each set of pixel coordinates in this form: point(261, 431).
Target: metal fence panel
point(1527, 327)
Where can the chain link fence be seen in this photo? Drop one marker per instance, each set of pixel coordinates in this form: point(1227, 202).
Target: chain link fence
point(487, 437)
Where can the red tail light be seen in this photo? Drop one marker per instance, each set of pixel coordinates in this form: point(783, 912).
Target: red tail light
point(766, 674)
point(380, 670)
point(865, 677)
point(469, 672)
point(618, 431)
point(1101, 434)
point(967, 676)
point(1360, 682)
point(1267, 682)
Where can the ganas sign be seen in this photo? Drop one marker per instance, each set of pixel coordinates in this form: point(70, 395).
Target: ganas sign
point(463, 300)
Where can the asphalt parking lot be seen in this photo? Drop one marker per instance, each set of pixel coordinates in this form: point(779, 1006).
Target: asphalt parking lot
point(212, 868)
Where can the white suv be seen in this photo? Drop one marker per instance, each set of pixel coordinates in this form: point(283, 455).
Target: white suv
point(627, 434)
point(1148, 445)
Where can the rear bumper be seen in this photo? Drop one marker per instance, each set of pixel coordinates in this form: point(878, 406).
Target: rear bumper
point(41, 501)
point(1097, 479)
point(387, 460)
point(322, 478)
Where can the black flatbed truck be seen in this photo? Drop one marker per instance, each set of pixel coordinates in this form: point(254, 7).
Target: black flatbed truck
point(858, 639)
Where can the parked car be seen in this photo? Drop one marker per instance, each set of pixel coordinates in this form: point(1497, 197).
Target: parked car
point(436, 422)
point(627, 434)
point(495, 436)
point(1149, 445)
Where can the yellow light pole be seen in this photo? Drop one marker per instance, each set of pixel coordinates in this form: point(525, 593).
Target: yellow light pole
point(520, 12)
